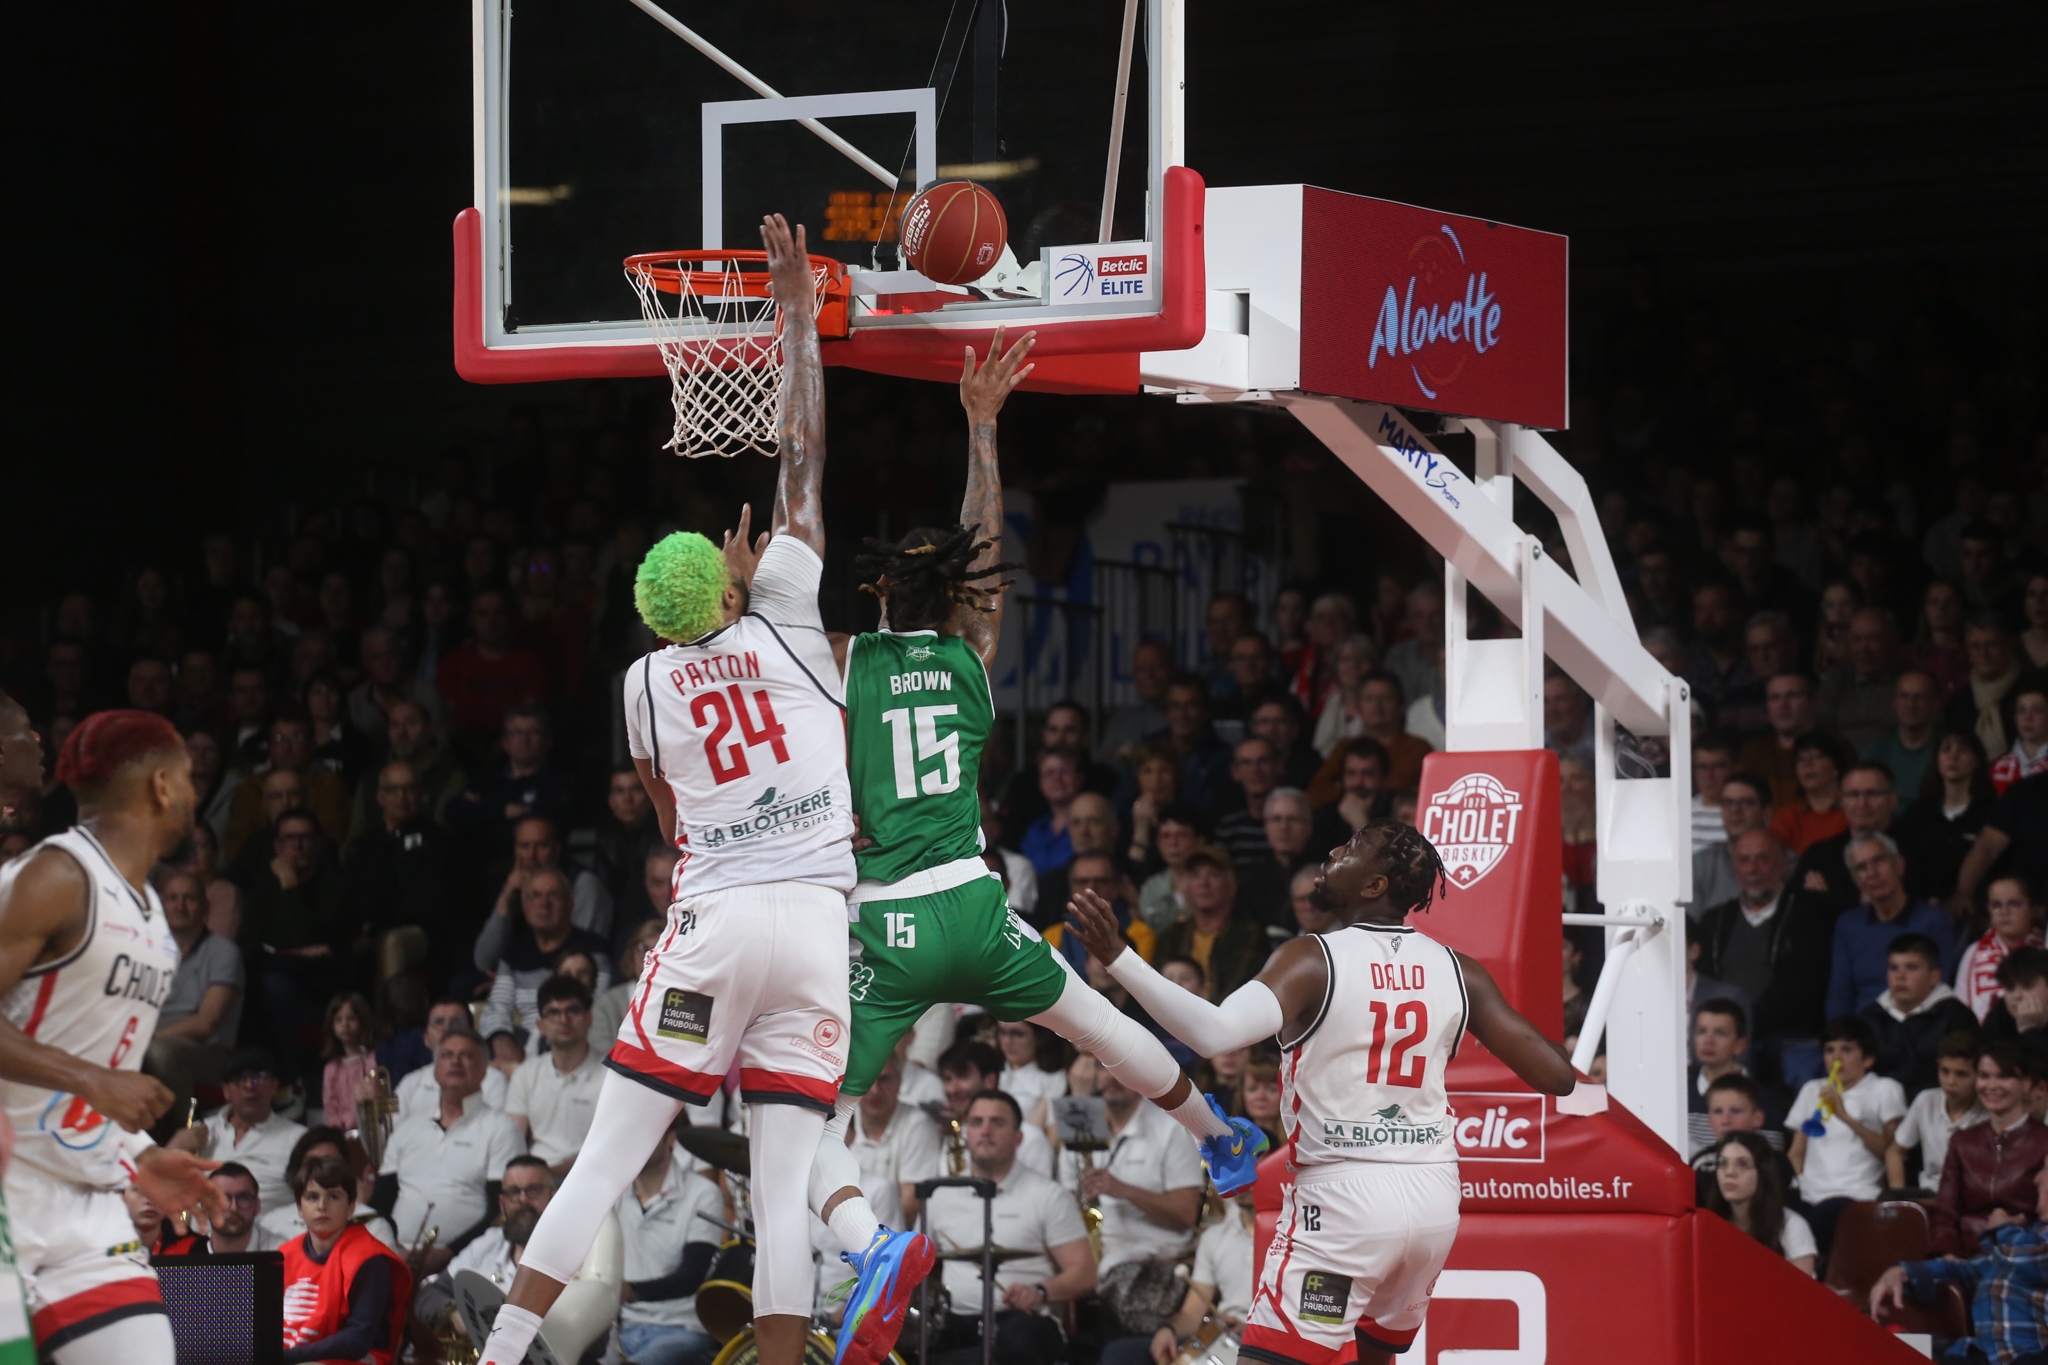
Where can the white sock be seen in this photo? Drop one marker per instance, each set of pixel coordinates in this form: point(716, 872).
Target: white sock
point(1195, 1115)
point(512, 1334)
point(854, 1223)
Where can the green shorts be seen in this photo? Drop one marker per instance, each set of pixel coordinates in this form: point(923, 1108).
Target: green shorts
point(960, 945)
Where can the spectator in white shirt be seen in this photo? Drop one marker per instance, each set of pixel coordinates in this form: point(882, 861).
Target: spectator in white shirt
point(1219, 1286)
point(234, 1231)
point(1150, 1182)
point(247, 1129)
point(522, 1196)
point(896, 1145)
point(966, 1069)
point(554, 1096)
point(1030, 1213)
point(417, 1092)
point(1937, 1112)
point(286, 1222)
point(669, 1217)
point(442, 1168)
point(1031, 1084)
point(1845, 1163)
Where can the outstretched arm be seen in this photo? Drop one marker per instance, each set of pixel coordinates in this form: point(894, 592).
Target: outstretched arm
point(1540, 1063)
point(799, 487)
point(1255, 1011)
point(982, 391)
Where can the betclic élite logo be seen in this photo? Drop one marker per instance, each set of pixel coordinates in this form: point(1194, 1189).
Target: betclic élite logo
point(1498, 1127)
point(1100, 272)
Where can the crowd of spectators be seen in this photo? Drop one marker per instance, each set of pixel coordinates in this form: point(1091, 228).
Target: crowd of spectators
point(419, 852)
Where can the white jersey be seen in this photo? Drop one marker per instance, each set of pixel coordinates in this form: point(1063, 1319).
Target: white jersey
point(98, 1002)
point(747, 725)
point(1366, 1081)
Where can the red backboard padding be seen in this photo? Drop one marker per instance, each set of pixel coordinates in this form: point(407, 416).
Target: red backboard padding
point(1752, 1305)
point(1493, 818)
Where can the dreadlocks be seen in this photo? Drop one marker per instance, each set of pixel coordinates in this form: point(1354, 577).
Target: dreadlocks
point(930, 572)
point(1415, 872)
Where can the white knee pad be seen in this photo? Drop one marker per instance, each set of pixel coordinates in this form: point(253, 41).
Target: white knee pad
point(833, 1168)
point(144, 1339)
point(1085, 1018)
point(782, 1139)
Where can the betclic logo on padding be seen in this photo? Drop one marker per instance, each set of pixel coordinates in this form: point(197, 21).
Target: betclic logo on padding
point(1498, 1127)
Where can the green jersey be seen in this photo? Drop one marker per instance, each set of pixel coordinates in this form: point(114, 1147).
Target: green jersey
point(918, 712)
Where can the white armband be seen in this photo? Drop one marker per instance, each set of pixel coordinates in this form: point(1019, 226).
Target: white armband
point(1250, 1014)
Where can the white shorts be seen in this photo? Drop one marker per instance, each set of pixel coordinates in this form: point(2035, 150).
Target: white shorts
point(1354, 1256)
point(82, 1268)
point(753, 976)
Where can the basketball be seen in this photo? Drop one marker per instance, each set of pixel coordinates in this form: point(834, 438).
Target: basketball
point(954, 232)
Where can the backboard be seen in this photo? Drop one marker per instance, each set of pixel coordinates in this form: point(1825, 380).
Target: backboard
point(604, 128)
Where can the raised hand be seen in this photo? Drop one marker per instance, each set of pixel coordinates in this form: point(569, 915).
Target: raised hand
point(789, 270)
point(983, 387)
point(1096, 922)
point(176, 1180)
point(742, 554)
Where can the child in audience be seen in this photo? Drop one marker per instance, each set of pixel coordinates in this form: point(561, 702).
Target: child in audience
point(2015, 913)
point(2020, 1013)
point(1746, 1193)
point(1720, 1037)
point(1845, 1162)
point(1935, 1114)
point(1914, 1014)
point(350, 1057)
point(1736, 1104)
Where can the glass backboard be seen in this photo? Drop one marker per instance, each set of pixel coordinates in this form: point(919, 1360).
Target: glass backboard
point(606, 128)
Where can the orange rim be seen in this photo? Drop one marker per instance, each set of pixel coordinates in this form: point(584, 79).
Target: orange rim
point(679, 272)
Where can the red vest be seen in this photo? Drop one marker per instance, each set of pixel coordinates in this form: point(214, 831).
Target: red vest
point(316, 1295)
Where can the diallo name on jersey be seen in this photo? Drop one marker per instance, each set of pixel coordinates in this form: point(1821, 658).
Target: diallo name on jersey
point(927, 680)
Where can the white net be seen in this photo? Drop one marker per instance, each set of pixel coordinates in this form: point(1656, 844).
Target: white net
point(722, 347)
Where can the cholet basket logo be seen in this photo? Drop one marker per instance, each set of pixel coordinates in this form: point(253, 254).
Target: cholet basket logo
point(1472, 822)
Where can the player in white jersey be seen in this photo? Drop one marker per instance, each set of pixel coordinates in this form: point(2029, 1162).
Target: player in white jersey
point(86, 960)
point(1368, 1017)
point(738, 733)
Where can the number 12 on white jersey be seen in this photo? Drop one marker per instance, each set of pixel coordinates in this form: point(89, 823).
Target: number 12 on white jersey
point(924, 720)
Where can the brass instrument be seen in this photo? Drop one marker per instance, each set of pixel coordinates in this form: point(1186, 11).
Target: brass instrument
point(1192, 1348)
point(424, 1237)
point(454, 1340)
point(375, 1116)
point(956, 1148)
point(1090, 1205)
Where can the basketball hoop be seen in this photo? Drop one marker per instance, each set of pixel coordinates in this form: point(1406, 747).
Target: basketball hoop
point(714, 320)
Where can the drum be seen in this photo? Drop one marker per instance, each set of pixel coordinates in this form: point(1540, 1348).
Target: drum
point(725, 1301)
point(818, 1350)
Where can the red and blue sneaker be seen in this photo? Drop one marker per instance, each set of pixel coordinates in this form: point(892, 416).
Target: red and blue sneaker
point(1233, 1161)
point(891, 1267)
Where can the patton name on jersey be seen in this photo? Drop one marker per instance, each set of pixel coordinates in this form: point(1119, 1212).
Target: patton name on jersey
point(772, 816)
point(1388, 1127)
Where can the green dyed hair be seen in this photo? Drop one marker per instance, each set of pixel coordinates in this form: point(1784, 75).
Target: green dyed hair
point(680, 588)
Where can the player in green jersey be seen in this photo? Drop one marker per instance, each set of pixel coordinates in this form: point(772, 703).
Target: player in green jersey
point(931, 921)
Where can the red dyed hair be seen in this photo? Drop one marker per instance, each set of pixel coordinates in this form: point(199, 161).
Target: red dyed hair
point(107, 741)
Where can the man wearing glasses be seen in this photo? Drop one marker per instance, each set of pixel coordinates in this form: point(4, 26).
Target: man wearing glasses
point(246, 1130)
point(233, 1231)
point(553, 1096)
